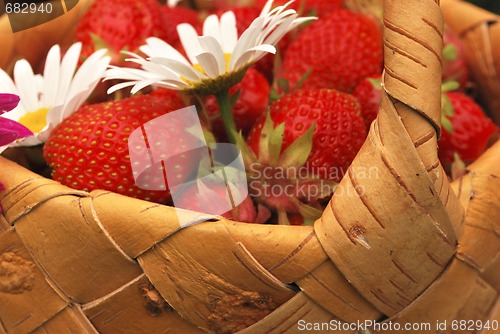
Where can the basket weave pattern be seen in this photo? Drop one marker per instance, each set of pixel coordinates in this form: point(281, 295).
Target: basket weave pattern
point(400, 243)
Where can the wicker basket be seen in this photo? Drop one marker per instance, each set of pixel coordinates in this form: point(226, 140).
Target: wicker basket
point(400, 246)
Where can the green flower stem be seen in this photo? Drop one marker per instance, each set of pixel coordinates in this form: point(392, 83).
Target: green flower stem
point(226, 111)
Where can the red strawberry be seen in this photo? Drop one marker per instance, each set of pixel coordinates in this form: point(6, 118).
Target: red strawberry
point(215, 198)
point(369, 94)
point(119, 25)
point(470, 133)
point(89, 149)
point(342, 48)
point(454, 61)
point(304, 146)
point(166, 93)
point(252, 102)
point(315, 7)
point(339, 131)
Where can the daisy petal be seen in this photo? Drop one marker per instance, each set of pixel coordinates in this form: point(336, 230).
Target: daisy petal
point(173, 3)
point(211, 27)
point(212, 46)
point(245, 42)
point(228, 32)
point(156, 47)
point(279, 31)
point(189, 40)
point(158, 72)
point(142, 84)
point(207, 54)
point(209, 64)
point(267, 7)
point(51, 76)
point(254, 54)
point(180, 68)
point(24, 78)
point(68, 67)
point(173, 84)
point(119, 86)
point(6, 83)
point(113, 73)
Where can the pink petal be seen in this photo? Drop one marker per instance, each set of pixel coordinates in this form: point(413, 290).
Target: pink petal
point(11, 130)
point(8, 102)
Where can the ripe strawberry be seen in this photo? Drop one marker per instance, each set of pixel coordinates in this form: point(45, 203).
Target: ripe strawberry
point(166, 93)
point(252, 102)
point(89, 150)
point(303, 147)
point(470, 133)
point(315, 7)
point(342, 48)
point(212, 198)
point(369, 95)
point(339, 131)
point(119, 25)
point(454, 61)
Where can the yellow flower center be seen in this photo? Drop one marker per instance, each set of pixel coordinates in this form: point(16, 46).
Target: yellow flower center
point(35, 121)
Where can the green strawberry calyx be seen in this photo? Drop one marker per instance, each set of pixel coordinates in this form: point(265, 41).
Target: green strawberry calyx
point(279, 178)
point(450, 52)
point(447, 111)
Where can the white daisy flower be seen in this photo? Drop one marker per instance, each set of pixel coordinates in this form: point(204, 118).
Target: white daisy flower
point(173, 3)
point(46, 100)
point(216, 60)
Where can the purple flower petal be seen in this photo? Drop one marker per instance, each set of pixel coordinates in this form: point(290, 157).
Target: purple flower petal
point(8, 102)
point(11, 130)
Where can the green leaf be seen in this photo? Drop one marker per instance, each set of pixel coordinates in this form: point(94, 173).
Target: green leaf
point(297, 153)
point(446, 112)
point(309, 212)
point(265, 134)
point(275, 143)
point(209, 138)
point(205, 167)
point(303, 78)
point(458, 168)
point(449, 86)
point(248, 155)
point(327, 188)
point(284, 85)
point(446, 124)
point(450, 52)
point(273, 96)
point(376, 83)
point(446, 106)
point(99, 43)
point(283, 217)
point(278, 63)
point(234, 98)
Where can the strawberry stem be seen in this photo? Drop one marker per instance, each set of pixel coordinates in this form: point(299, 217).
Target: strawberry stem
point(226, 111)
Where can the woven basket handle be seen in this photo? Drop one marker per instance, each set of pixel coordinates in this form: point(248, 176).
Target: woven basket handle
point(390, 223)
